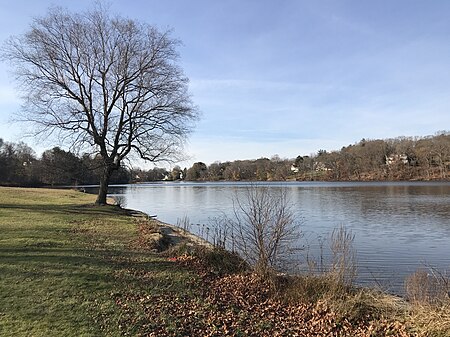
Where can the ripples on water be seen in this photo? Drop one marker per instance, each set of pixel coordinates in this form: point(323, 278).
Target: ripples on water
point(398, 227)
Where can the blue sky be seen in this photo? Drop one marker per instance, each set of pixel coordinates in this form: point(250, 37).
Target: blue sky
point(288, 77)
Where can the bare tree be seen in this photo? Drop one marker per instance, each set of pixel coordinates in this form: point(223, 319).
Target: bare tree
point(264, 227)
point(103, 81)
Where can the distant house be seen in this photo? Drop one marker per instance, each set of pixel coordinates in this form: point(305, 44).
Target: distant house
point(397, 158)
point(295, 169)
point(321, 167)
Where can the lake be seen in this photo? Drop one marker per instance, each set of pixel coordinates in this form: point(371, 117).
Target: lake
point(398, 227)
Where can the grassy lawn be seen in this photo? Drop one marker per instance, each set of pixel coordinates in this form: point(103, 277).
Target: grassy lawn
point(65, 264)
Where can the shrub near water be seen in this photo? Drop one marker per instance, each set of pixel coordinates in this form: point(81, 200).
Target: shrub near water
point(429, 292)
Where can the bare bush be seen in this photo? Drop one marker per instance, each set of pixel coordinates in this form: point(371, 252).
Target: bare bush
point(316, 265)
point(222, 233)
point(429, 286)
point(343, 267)
point(333, 272)
point(184, 223)
point(428, 289)
point(264, 227)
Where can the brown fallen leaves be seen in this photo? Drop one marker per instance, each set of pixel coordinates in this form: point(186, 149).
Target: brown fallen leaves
point(237, 305)
point(150, 236)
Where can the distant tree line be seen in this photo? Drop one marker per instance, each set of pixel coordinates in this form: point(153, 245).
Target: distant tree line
point(19, 166)
point(402, 158)
point(263, 169)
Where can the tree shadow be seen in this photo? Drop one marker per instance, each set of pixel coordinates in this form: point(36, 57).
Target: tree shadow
point(68, 209)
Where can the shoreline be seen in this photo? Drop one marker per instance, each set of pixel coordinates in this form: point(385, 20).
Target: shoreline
point(178, 235)
point(93, 264)
point(287, 181)
point(173, 232)
point(382, 271)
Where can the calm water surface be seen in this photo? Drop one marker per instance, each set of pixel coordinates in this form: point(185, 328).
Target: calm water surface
point(398, 227)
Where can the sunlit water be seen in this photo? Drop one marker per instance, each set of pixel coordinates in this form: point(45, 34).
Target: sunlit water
point(398, 227)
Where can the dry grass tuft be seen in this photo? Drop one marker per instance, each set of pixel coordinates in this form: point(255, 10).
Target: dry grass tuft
point(431, 320)
point(207, 260)
point(352, 304)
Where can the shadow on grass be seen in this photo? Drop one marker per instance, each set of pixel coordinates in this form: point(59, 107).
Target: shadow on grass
point(88, 209)
point(59, 274)
point(92, 265)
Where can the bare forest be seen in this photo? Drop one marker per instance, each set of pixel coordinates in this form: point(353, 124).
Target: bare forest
point(402, 158)
point(398, 159)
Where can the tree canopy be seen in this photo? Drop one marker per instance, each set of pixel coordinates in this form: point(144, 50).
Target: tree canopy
point(105, 82)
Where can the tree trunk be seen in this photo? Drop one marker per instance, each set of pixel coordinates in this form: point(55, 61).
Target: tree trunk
point(103, 190)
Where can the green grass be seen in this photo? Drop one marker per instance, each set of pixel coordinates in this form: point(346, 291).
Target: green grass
point(65, 263)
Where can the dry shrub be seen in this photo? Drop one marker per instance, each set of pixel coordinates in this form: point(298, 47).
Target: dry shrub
point(343, 267)
point(342, 264)
point(427, 287)
point(222, 233)
point(336, 276)
point(333, 283)
point(428, 291)
point(220, 261)
point(210, 260)
point(368, 305)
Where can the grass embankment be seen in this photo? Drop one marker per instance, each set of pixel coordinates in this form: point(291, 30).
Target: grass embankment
point(65, 265)
point(68, 268)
